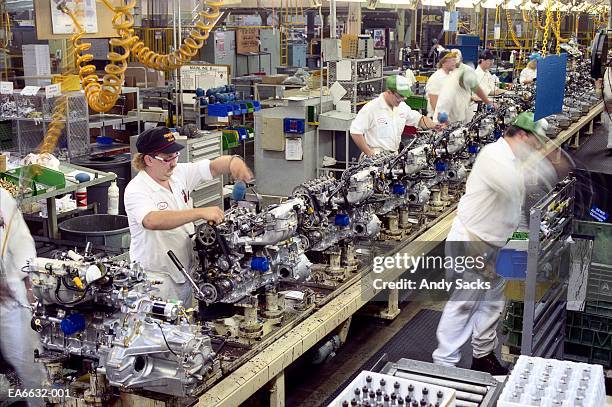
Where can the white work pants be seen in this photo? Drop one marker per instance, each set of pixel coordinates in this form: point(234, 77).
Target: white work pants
point(18, 341)
point(469, 314)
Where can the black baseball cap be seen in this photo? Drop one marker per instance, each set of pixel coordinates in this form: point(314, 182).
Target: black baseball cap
point(157, 140)
point(487, 54)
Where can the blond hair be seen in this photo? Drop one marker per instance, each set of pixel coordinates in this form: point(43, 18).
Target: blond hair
point(533, 64)
point(138, 161)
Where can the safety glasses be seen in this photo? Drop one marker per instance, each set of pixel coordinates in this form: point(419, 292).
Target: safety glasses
point(167, 160)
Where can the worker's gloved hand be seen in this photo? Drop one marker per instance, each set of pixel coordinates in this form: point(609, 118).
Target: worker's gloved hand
point(442, 117)
point(491, 107)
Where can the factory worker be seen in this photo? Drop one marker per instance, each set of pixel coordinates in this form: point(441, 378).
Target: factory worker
point(607, 94)
point(380, 123)
point(488, 82)
point(17, 339)
point(448, 62)
point(456, 96)
point(487, 215)
point(530, 73)
point(160, 209)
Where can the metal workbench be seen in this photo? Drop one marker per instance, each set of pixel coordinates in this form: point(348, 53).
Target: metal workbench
point(99, 177)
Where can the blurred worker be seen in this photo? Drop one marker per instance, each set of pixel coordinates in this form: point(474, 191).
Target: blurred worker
point(435, 50)
point(448, 62)
point(487, 215)
point(160, 209)
point(456, 96)
point(530, 73)
point(17, 339)
point(380, 123)
point(488, 82)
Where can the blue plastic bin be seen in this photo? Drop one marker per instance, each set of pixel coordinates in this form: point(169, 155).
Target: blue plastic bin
point(512, 264)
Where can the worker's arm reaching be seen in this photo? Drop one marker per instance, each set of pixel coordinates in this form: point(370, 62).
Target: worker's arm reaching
point(167, 220)
point(433, 101)
point(231, 165)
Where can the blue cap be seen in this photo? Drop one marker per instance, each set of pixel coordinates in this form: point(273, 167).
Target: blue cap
point(72, 324)
point(342, 219)
point(260, 264)
point(399, 189)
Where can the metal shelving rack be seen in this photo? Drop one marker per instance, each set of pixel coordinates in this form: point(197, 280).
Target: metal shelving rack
point(32, 116)
point(550, 224)
point(366, 79)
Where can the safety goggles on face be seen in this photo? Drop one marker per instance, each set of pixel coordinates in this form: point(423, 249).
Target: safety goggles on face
point(167, 160)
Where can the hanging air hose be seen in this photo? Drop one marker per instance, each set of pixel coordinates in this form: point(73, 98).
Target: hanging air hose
point(58, 122)
point(102, 97)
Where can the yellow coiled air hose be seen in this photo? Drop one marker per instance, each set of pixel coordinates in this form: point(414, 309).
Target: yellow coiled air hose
point(188, 49)
point(101, 97)
point(58, 122)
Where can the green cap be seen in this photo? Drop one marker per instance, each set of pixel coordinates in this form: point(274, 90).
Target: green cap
point(538, 129)
point(399, 84)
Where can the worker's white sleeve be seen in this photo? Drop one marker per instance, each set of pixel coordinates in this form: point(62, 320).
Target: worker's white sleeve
point(607, 86)
point(501, 176)
point(361, 123)
point(138, 204)
point(20, 245)
point(433, 86)
point(413, 118)
point(194, 174)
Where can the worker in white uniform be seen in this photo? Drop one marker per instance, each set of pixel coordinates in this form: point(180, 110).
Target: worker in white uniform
point(448, 62)
point(487, 215)
point(530, 73)
point(488, 82)
point(160, 209)
point(17, 339)
point(380, 123)
point(456, 96)
point(607, 94)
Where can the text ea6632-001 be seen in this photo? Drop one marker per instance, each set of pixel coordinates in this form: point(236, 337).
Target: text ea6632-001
point(39, 393)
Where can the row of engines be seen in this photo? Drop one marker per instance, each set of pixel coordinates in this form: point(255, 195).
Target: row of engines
point(252, 250)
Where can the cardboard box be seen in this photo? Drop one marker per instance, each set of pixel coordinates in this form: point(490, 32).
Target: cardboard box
point(274, 79)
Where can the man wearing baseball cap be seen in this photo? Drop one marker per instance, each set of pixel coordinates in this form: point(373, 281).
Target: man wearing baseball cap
point(487, 215)
point(488, 82)
point(160, 209)
point(380, 123)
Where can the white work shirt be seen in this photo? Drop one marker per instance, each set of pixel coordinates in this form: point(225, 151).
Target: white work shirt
point(382, 125)
point(487, 81)
point(20, 245)
point(434, 87)
point(490, 209)
point(607, 85)
point(149, 247)
point(454, 99)
point(528, 75)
